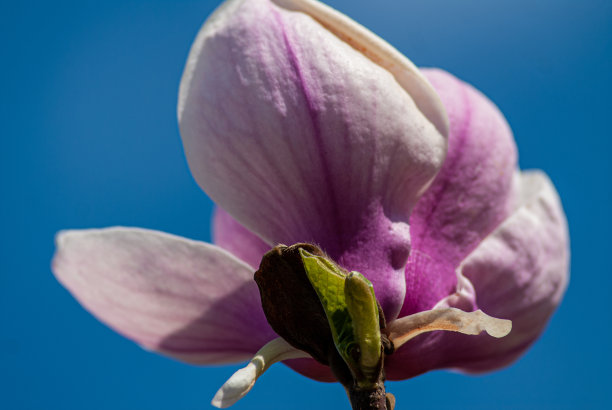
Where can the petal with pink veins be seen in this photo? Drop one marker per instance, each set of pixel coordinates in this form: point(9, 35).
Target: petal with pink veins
point(305, 137)
point(519, 272)
point(471, 195)
point(189, 300)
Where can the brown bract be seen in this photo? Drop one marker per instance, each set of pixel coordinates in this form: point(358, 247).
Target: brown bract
point(291, 304)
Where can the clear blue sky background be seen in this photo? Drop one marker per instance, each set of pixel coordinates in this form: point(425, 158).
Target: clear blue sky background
point(89, 139)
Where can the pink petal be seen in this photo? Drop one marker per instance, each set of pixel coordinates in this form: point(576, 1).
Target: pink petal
point(470, 196)
point(302, 138)
point(190, 300)
point(519, 272)
point(236, 239)
point(230, 235)
point(312, 369)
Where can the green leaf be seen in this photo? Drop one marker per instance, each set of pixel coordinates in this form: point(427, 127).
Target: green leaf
point(352, 312)
point(362, 307)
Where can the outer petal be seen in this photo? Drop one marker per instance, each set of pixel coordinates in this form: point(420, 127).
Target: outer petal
point(470, 197)
point(189, 300)
point(519, 271)
point(302, 137)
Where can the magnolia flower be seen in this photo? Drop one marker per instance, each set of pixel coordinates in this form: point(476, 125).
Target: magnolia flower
point(303, 126)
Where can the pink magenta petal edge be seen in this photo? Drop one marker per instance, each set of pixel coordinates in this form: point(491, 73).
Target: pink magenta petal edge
point(519, 272)
point(471, 195)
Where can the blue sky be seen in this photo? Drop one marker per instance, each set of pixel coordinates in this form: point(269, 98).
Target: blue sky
point(88, 95)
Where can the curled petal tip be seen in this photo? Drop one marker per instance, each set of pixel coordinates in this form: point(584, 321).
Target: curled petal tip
point(236, 387)
point(241, 382)
point(449, 319)
point(60, 237)
point(493, 326)
point(380, 52)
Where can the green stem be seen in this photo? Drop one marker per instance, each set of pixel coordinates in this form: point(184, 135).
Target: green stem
point(362, 398)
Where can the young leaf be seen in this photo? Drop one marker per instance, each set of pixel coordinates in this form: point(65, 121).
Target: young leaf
point(363, 309)
point(352, 312)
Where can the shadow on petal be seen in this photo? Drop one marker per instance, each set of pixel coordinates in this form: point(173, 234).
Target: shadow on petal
point(231, 330)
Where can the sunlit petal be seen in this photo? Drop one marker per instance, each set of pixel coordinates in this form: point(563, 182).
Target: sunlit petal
point(302, 137)
point(190, 300)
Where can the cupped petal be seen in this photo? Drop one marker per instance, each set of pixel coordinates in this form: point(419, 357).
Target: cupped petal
point(472, 194)
point(519, 272)
point(380, 52)
point(522, 270)
point(293, 131)
point(303, 138)
point(189, 300)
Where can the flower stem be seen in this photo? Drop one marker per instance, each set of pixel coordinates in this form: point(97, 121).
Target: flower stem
point(373, 398)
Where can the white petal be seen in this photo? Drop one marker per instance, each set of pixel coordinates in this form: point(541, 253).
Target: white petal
point(244, 379)
point(450, 319)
